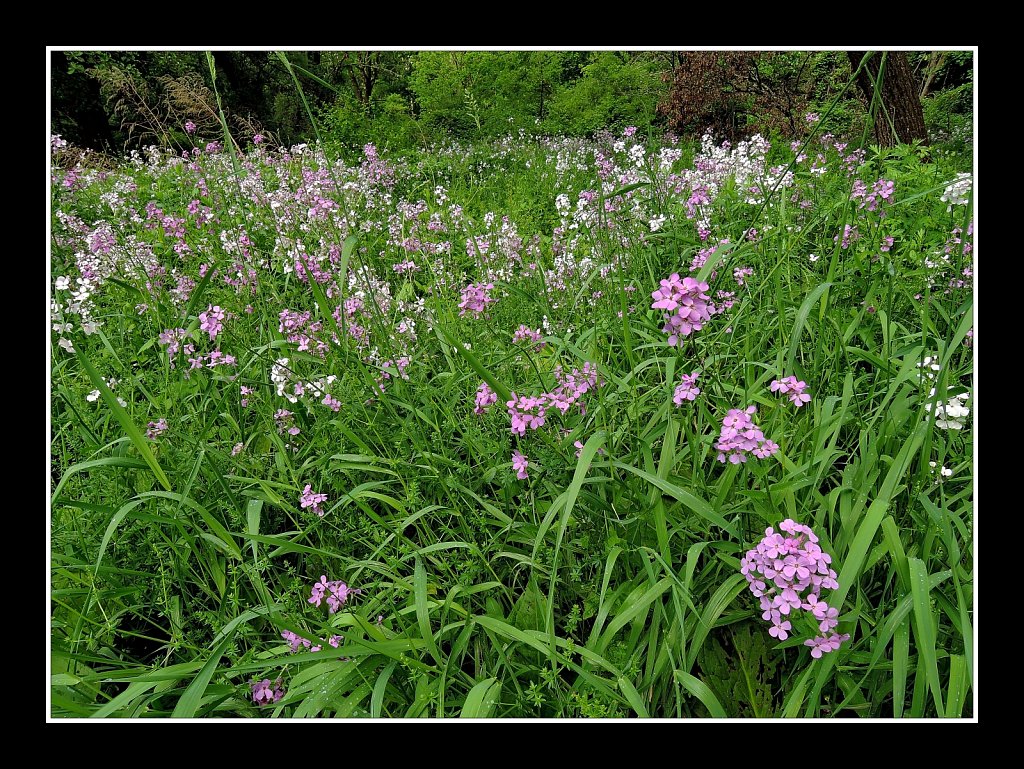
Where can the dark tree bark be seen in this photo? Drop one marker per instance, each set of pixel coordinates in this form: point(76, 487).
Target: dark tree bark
point(900, 106)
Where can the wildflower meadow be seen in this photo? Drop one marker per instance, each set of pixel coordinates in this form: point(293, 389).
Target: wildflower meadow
point(621, 425)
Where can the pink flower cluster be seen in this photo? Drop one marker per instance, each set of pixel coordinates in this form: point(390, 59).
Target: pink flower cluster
point(295, 641)
point(740, 273)
point(687, 389)
point(526, 412)
point(336, 593)
point(686, 306)
point(795, 389)
point(399, 365)
point(283, 420)
point(475, 298)
point(264, 692)
point(485, 396)
point(739, 435)
point(519, 463)
point(155, 428)
point(301, 329)
point(850, 234)
point(212, 321)
point(529, 412)
point(881, 192)
point(311, 499)
point(528, 333)
point(214, 359)
point(779, 571)
point(171, 338)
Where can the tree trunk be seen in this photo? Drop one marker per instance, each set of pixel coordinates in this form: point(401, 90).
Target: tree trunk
point(900, 106)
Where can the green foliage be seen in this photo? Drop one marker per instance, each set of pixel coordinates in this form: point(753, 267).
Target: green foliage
point(614, 90)
point(742, 671)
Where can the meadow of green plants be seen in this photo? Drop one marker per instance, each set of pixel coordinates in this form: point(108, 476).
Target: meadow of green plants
point(614, 427)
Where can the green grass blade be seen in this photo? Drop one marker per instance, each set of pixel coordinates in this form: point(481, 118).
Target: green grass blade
point(481, 699)
point(696, 504)
point(924, 633)
point(700, 690)
point(188, 705)
point(130, 429)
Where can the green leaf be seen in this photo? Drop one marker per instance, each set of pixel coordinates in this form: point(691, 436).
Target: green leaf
point(481, 699)
point(699, 689)
point(188, 705)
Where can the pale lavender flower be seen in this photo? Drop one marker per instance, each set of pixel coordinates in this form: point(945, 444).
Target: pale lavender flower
point(519, 464)
point(793, 388)
point(211, 321)
point(687, 389)
point(475, 298)
point(311, 499)
point(264, 692)
point(786, 572)
point(485, 396)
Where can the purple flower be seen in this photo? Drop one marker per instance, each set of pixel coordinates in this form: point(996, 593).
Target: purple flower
point(294, 640)
point(830, 620)
point(264, 692)
point(319, 588)
point(337, 594)
point(211, 321)
point(783, 573)
point(524, 332)
point(311, 499)
point(740, 435)
point(519, 464)
point(824, 645)
point(475, 298)
point(792, 387)
point(155, 428)
point(816, 607)
point(190, 127)
point(485, 396)
point(686, 306)
point(850, 234)
point(816, 645)
point(779, 630)
point(687, 389)
point(340, 593)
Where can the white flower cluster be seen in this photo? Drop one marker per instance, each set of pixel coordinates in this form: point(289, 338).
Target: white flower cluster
point(292, 388)
point(715, 164)
point(951, 415)
point(957, 191)
point(94, 396)
point(944, 471)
